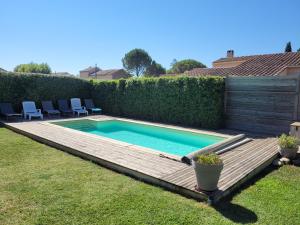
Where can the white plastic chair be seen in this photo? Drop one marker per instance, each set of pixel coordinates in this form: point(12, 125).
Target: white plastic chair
point(30, 110)
point(77, 107)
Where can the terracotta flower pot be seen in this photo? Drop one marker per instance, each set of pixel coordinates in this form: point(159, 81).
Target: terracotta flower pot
point(290, 153)
point(207, 175)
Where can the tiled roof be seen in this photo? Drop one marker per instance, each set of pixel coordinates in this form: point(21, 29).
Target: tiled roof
point(90, 69)
point(257, 65)
point(107, 72)
point(238, 58)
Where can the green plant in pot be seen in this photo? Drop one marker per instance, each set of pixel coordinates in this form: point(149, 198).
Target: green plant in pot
point(288, 146)
point(208, 168)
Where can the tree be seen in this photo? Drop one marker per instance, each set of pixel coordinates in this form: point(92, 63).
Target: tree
point(288, 47)
point(185, 65)
point(154, 70)
point(174, 61)
point(298, 50)
point(136, 61)
point(33, 68)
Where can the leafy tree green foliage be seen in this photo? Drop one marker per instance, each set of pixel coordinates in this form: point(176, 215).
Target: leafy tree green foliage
point(174, 61)
point(136, 61)
point(42, 68)
point(185, 65)
point(16, 88)
point(288, 47)
point(298, 50)
point(154, 70)
point(191, 101)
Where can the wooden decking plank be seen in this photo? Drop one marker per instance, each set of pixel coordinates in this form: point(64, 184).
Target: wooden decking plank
point(227, 156)
point(187, 178)
point(235, 179)
point(244, 162)
point(245, 171)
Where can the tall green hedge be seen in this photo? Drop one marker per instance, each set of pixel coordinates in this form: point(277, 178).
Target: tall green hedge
point(16, 88)
point(191, 101)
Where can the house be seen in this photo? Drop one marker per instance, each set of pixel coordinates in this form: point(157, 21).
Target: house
point(97, 73)
point(277, 64)
point(86, 73)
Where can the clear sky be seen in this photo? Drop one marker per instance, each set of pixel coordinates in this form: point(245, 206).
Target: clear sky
point(71, 35)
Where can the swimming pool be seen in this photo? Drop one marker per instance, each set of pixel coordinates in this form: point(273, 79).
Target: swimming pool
point(167, 140)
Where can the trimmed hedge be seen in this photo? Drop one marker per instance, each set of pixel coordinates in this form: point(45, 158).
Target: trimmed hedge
point(191, 101)
point(16, 87)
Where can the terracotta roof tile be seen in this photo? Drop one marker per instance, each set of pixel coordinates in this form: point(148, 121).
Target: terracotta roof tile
point(239, 58)
point(91, 69)
point(257, 65)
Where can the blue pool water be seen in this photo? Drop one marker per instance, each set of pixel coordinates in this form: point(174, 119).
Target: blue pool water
point(166, 140)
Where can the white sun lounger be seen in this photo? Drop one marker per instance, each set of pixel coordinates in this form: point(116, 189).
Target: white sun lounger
point(30, 110)
point(77, 108)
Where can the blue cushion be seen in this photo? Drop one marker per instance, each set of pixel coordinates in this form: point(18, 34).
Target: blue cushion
point(96, 109)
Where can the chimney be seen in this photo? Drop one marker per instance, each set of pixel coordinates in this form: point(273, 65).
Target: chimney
point(230, 54)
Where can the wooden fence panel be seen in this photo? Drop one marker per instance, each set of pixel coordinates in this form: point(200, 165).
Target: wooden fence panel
point(262, 104)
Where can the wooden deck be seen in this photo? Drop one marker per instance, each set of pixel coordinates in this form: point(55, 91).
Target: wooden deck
point(240, 163)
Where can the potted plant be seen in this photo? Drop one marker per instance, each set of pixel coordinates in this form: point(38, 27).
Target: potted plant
point(288, 146)
point(208, 168)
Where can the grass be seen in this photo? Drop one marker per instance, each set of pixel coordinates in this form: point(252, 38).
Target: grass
point(42, 185)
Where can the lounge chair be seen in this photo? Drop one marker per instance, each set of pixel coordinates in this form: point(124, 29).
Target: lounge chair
point(77, 107)
point(89, 104)
point(64, 107)
point(30, 110)
point(7, 110)
point(49, 109)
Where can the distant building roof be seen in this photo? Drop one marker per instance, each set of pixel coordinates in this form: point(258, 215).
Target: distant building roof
point(62, 74)
point(108, 72)
point(255, 65)
point(91, 69)
point(237, 58)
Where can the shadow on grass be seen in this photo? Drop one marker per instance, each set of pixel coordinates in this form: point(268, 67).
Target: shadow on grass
point(237, 213)
point(297, 159)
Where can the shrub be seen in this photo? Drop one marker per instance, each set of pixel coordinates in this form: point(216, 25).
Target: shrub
point(154, 70)
point(43, 68)
point(185, 65)
point(208, 159)
point(287, 142)
point(16, 88)
point(191, 101)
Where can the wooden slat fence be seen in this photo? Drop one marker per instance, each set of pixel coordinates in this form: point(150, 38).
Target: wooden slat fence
point(262, 104)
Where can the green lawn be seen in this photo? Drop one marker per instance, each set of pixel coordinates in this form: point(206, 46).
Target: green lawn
point(42, 185)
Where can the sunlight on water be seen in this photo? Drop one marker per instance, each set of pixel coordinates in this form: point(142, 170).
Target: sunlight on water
point(166, 140)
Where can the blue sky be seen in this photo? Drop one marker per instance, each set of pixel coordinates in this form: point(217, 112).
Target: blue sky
point(71, 35)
